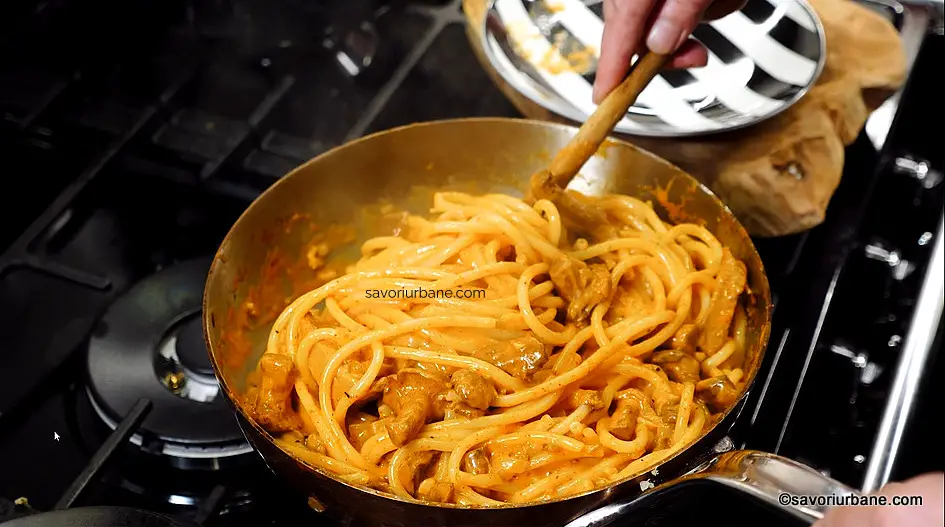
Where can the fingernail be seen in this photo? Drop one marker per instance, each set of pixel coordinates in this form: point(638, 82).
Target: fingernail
point(664, 37)
point(595, 97)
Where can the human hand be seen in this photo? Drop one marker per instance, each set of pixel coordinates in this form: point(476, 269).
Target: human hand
point(662, 26)
point(929, 514)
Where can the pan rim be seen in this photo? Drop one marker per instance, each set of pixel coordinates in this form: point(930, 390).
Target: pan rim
point(231, 394)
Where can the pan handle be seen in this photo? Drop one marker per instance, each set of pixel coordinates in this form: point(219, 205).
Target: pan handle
point(788, 485)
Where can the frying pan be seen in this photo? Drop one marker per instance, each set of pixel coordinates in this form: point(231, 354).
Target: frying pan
point(261, 265)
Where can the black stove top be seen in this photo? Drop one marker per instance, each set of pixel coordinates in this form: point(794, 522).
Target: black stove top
point(135, 133)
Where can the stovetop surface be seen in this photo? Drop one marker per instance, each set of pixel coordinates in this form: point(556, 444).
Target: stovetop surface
point(135, 133)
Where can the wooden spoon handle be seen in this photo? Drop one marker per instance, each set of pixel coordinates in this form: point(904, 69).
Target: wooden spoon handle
point(599, 125)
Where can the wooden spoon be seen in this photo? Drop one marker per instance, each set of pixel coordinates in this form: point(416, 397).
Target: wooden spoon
point(550, 183)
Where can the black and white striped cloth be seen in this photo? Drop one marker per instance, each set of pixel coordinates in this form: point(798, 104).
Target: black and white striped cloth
point(761, 61)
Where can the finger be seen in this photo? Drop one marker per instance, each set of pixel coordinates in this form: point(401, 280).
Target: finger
point(844, 516)
point(673, 24)
point(623, 33)
point(930, 512)
point(691, 54)
point(929, 486)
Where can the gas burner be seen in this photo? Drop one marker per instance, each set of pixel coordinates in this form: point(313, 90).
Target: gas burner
point(183, 365)
point(99, 517)
point(149, 345)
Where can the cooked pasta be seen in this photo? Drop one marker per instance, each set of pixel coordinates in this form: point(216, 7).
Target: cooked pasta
point(488, 355)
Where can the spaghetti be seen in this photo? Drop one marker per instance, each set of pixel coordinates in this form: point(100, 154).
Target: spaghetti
point(583, 362)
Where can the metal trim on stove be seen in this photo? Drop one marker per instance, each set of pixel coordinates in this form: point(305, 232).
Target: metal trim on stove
point(916, 18)
point(912, 360)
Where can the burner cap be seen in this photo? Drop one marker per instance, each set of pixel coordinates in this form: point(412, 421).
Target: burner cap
point(191, 348)
point(98, 517)
point(149, 344)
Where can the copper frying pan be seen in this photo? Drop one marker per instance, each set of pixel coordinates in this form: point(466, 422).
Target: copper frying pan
point(261, 266)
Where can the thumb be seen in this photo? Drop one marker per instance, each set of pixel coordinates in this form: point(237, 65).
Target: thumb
point(929, 487)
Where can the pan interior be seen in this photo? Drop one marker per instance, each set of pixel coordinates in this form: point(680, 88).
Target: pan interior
point(344, 196)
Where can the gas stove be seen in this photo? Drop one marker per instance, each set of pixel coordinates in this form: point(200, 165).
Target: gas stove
point(135, 133)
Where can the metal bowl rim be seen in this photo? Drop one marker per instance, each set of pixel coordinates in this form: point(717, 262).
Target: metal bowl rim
point(566, 110)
